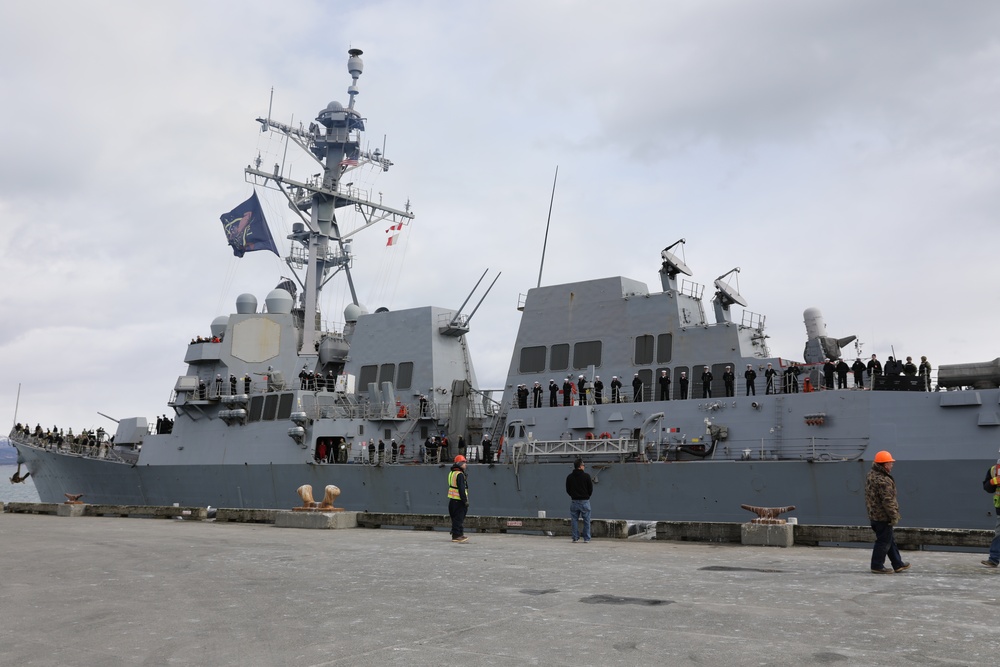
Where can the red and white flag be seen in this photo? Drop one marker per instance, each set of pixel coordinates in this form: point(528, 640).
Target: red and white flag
point(393, 233)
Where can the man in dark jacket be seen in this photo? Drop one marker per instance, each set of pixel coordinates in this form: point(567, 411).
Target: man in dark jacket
point(580, 487)
point(706, 383)
point(616, 390)
point(859, 373)
point(842, 370)
point(458, 499)
point(729, 381)
point(751, 377)
point(536, 395)
point(829, 368)
point(874, 369)
point(664, 385)
point(992, 485)
point(883, 512)
point(636, 389)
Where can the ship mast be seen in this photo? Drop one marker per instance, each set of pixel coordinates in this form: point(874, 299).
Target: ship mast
point(334, 141)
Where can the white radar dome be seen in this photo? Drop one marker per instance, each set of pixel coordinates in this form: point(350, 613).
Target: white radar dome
point(246, 304)
point(279, 302)
point(353, 312)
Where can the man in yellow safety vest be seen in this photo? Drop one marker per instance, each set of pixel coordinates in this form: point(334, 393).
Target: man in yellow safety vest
point(458, 499)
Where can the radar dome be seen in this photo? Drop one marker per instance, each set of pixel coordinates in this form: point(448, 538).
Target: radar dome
point(246, 304)
point(353, 312)
point(219, 325)
point(279, 302)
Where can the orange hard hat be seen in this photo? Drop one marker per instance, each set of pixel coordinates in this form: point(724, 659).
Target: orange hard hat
point(884, 457)
point(459, 459)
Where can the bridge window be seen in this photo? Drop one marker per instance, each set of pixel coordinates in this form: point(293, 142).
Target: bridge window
point(664, 348)
point(285, 406)
point(256, 406)
point(643, 350)
point(405, 378)
point(532, 359)
point(586, 354)
point(559, 360)
point(270, 407)
point(369, 374)
point(386, 373)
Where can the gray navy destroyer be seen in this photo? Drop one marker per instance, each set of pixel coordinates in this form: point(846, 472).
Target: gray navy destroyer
point(273, 400)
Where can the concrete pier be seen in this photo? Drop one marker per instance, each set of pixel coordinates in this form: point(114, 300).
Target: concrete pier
point(109, 591)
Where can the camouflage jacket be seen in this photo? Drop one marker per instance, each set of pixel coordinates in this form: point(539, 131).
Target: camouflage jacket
point(880, 495)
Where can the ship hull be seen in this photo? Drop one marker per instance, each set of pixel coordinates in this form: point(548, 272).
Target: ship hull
point(932, 493)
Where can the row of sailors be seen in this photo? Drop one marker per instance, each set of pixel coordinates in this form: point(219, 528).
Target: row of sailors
point(594, 392)
point(308, 380)
point(55, 436)
point(312, 381)
point(206, 339)
point(434, 450)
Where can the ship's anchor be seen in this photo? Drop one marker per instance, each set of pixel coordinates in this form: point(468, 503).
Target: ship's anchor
point(768, 514)
point(17, 477)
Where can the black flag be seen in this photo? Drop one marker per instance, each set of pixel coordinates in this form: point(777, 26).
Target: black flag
point(246, 229)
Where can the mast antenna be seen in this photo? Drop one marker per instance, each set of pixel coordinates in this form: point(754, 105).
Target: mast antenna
point(17, 402)
point(548, 221)
point(265, 126)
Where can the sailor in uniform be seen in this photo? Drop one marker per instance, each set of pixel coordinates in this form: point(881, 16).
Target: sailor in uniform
point(616, 389)
point(751, 378)
point(664, 381)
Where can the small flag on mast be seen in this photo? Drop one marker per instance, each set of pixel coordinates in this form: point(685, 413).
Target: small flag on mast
point(351, 160)
point(246, 228)
point(393, 232)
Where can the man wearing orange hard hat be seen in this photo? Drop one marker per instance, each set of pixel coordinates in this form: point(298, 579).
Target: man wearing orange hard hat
point(458, 499)
point(883, 512)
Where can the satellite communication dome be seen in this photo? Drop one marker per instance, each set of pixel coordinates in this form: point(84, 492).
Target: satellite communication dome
point(246, 304)
point(219, 325)
point(279, 302)
point(353, 311)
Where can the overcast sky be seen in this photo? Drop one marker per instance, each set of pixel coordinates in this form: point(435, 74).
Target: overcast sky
point(843, 154)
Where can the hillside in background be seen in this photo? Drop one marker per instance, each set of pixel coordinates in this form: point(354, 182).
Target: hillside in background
point(7, 453)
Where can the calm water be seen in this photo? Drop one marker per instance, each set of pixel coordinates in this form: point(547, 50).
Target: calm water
point(15, 493)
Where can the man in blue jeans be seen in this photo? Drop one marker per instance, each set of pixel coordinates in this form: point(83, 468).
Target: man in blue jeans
point(580, 487)
point(992, 485)
point(883, 512)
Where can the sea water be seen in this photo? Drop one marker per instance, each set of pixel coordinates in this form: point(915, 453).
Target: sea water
point(16, 493)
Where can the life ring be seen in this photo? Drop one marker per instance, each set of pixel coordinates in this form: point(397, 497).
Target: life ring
point(605, 436)
point(589, 436)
